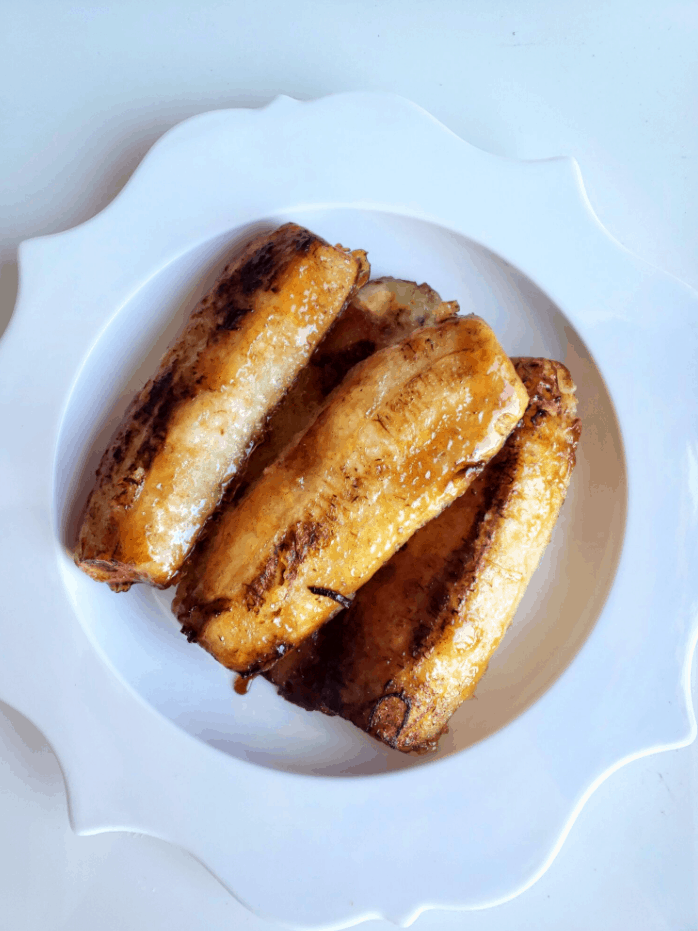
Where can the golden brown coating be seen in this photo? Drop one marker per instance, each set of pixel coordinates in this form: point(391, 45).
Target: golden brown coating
point(381, 313)
point(399, 439)
point(194, 424)
point(418, 637)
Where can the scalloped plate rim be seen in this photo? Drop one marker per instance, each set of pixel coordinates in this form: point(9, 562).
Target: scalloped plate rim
point(158, 150)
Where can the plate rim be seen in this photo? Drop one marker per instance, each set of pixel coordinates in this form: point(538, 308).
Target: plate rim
point(563, 175)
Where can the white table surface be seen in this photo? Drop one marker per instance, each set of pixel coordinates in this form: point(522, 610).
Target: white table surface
point(86, 88)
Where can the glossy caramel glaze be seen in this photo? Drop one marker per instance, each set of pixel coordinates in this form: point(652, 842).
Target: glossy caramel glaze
point(194, 424)
point(418, 637)
point(380, 314)
point(401, 437)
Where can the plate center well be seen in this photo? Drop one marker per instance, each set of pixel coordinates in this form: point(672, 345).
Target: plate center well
point(135, 632)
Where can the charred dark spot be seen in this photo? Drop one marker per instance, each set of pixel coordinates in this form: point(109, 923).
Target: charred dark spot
point(195, 619)
point(211, 609)
point(260, 270)
point(540, 378)
point(303, 241)
point(145, 454)
point(157, 394)
point(257, 270)
point(127, 492)
point(298, 543)
point(163, 398)
point(419, 637)
point(289, 554)
point(154, 413)
point(263, 581)
point(122, 446)
point(330, 593)
point(334, 366)
point(545, 399)
point(539, 415)
point(389, 716)
point(232, 316)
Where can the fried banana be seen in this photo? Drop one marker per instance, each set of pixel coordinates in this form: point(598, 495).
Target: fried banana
point(380, 314)
point(194, 424)
point(418, 637)
point(401, 437)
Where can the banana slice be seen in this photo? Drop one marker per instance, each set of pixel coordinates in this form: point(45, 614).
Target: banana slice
point(381, 313)
point(419, 636)
point(402, 436)
point(194, 424)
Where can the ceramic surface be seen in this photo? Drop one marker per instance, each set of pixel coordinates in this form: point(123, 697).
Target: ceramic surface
point(593, 671)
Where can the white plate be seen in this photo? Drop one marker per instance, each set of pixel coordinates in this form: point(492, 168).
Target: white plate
point(305, 819)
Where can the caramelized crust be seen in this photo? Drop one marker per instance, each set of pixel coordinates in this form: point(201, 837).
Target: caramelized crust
point(194, 424)
point(418, 637)
point(380, 314)
point(401, 437)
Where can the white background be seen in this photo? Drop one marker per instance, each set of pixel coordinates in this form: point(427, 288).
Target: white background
point(85, 89)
